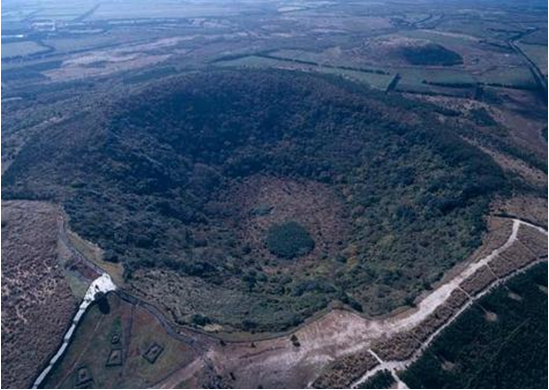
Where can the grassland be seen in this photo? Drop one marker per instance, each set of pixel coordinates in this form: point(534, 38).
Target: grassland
point(434, 81)
point(124, 328)
point(37, 301)
point(437, 76)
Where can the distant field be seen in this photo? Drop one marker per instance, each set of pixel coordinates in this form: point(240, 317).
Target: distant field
point(145, 9)
point(332, 57)
point(509, 77)
point(25, 48)
point(537, 53)
point(14, 16)
point(441, 37)
point(435, 81)
point(323, 57)
point(378, 81)
point(414, 76)
point(86, 42)
point(539, 37)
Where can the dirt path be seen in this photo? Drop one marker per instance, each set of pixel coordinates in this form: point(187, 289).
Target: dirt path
point(442, 293)
point(394, 366)
point(276, 362)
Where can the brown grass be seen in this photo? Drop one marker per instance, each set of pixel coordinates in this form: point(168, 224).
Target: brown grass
point(37, 301)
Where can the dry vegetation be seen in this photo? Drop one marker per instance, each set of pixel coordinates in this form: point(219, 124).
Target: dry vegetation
point(343, 372)
point(37, 302)
point(403, 345)
point(478, 281)
point(529, 208)
point(533, 240)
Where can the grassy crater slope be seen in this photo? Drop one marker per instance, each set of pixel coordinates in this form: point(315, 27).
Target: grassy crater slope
point(390, 196)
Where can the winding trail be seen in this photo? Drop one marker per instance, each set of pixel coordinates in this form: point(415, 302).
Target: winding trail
point(340, 333)
point(439, 296)
point(274, 362)
point(442, 293)
point(398, 365)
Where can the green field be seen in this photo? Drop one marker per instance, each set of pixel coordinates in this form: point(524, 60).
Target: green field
point(333, 56)
point(497, 343)
point(442, 76)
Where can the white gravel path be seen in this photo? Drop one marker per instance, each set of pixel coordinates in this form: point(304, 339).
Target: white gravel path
point(102, 284)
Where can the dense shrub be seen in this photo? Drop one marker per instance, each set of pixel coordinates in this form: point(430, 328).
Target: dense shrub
point(431, 54)
point(475, 352)
point(289, 240)
point(151, 172)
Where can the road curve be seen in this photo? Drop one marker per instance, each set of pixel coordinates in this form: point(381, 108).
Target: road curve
point(346, 333)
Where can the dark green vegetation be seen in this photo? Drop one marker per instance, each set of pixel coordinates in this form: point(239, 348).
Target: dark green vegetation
point(501, 342)
point(289, 240)
point(185, 218)
point(380, 380)
point(145, 180)
point(431, 54)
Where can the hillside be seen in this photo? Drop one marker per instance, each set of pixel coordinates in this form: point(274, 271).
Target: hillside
point(182, 180)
